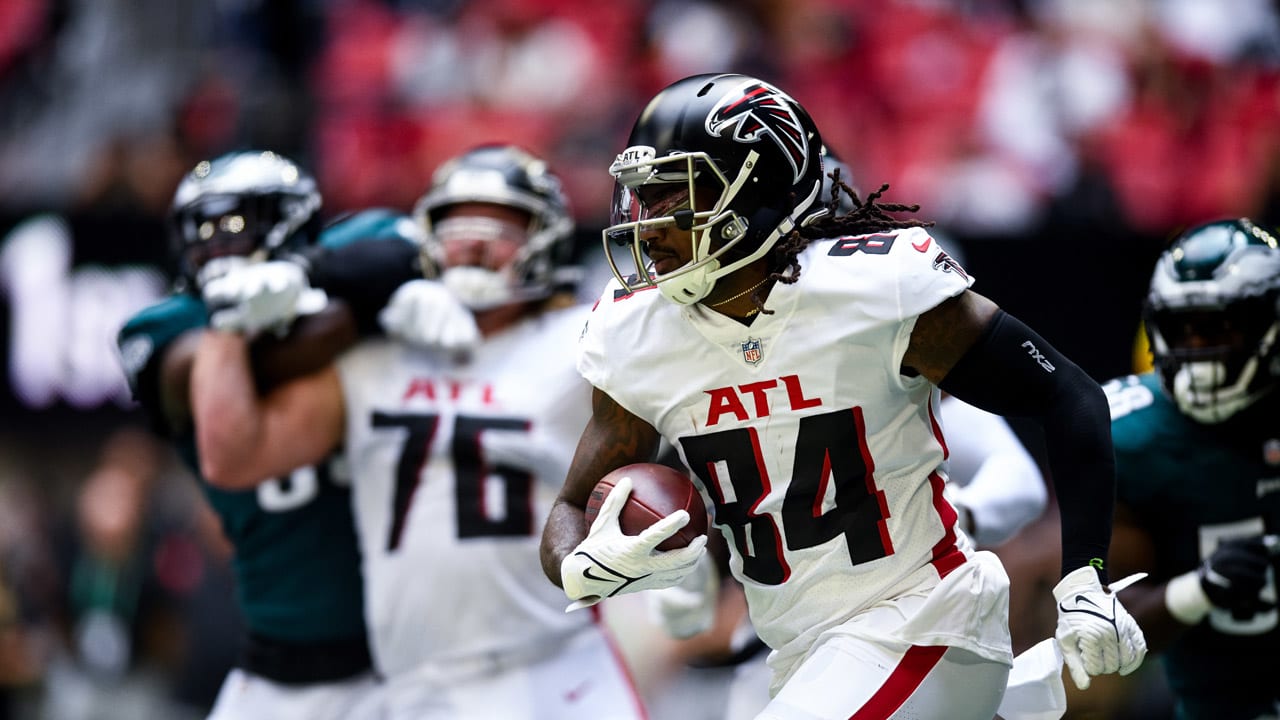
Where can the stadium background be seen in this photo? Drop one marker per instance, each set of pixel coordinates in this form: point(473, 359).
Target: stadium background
point(1058, 144)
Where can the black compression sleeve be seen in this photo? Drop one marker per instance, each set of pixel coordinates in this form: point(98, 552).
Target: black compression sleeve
point(1013, 371)
point(364, 273)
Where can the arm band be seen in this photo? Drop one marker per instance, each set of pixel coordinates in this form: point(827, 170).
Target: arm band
point(1010, 370)
point(364, 273)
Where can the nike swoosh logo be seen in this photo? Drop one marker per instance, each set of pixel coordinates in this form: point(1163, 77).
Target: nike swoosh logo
point(922, 246)
point(1096, 613)
point(1083, 599)
point(586, 573)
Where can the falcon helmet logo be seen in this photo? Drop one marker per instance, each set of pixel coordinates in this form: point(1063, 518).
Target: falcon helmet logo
point(755, 110)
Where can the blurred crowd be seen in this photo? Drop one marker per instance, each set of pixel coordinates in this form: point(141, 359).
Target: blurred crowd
point(1081, 133)
point(992, 113)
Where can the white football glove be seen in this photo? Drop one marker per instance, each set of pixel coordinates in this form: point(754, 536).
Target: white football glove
point(608, 562)
point(689, 607)
point(260, 296)
point(1095, 633)
point(425, 313)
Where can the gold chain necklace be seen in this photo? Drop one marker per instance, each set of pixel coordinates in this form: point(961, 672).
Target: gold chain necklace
point(744, 292)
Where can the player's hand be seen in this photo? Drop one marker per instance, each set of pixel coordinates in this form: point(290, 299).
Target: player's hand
point(425, 313)
point(688, 607)
point(1096, 634)
point(259, 296)
point(609, 562)
point(1233, 577)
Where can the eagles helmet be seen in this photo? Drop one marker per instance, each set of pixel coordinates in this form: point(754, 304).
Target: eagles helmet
point(752, 153)
point(1212, 316)
point(508, 176)
point(251, 204)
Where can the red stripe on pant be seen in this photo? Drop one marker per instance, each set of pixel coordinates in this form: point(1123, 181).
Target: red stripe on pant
point(911, 671)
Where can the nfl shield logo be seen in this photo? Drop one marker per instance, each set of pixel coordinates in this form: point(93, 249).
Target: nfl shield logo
point(751, 350)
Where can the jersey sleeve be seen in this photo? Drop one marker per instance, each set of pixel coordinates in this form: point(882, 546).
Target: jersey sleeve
point(141, 344)
point(893, 276)
point(591, 341)
point(926, 274)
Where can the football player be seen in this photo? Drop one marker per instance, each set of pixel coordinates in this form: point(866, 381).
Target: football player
point(993, 482)
point(244, 228)
point(1197, 444)
point(456, 457)
point(794, 360)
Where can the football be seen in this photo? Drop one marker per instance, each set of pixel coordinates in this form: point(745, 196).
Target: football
point(656, 492)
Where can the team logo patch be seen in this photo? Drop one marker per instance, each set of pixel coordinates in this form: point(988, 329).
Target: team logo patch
point(755, 110)
point(752, 351)
point(945, 263)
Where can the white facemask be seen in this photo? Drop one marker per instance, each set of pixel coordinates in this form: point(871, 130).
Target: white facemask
point(1199, 392)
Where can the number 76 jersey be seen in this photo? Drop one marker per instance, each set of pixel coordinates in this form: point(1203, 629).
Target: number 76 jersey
point(455, 466)
point(818, 456)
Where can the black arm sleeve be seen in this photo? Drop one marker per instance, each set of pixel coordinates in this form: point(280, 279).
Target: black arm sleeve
point(365, 274)
point(1013, 371)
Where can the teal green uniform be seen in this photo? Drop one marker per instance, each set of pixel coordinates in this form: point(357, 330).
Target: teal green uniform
point(1190, 486)
point(296, 563)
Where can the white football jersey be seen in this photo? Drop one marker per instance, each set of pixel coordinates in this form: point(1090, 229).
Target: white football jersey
point(819, 458)
point(455, 466)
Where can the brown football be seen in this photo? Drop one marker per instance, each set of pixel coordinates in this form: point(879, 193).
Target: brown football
point(656, 492)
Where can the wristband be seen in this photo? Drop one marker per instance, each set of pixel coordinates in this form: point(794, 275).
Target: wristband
point(1186, 600)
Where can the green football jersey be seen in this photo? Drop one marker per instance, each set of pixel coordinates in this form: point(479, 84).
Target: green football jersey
point(1191, 486)
point(296, 563)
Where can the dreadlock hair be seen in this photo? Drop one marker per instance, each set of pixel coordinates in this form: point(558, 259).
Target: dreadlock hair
point(867, 216)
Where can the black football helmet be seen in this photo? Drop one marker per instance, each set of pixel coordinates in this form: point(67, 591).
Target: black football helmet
point(509, 176)
point(251, 204)
point(1212, 316)
point(748, 148)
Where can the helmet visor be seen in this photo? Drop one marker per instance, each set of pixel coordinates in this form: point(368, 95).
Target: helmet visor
point(223, 225)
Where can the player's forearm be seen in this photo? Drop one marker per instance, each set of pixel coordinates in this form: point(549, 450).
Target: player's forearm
point(225, 408)
point(1082, 465)
point(566, 527)
point(1013, 371)
point(613, 438)
point(313, 342)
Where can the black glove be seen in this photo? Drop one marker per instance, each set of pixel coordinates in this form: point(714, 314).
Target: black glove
point(1234, 575)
